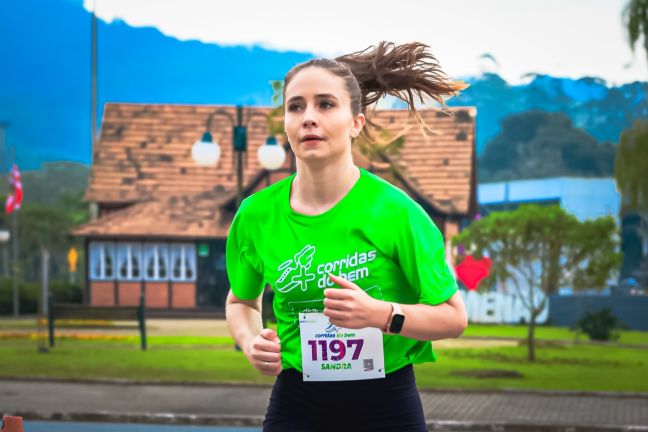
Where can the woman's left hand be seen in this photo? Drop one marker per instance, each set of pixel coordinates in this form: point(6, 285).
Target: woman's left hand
point(351, 307)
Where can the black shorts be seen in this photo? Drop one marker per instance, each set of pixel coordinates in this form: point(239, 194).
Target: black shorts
point(386, 404)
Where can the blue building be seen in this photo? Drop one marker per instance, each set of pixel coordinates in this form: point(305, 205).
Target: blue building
point(586, 198)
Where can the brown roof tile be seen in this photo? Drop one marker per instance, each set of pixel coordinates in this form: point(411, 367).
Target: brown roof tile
point(440, 166)
point(182, 216)
point(144, 157)
point(144, 151)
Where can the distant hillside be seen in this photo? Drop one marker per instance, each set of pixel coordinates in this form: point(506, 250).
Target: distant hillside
point(45, 90)
point(601, 111)
point(537, 144)
point(45, 93)
point(54, 182)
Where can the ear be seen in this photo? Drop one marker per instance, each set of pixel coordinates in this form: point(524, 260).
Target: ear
point(358, 124)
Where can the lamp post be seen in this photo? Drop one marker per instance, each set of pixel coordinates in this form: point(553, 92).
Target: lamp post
point(207, 152)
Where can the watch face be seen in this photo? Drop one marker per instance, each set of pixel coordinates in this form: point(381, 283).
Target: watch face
point(396, 323)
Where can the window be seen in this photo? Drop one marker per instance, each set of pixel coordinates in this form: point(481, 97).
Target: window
point(136, 261)
point(108, 260)
point(156, 261)
point(183, 262)
point(163, 261)
point(95, 261)
point(129, 258)
point(102, 258)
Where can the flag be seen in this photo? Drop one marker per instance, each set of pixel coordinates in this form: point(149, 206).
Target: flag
point(15, 197)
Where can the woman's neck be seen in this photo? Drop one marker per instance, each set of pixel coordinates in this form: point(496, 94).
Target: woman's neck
point(318, 187)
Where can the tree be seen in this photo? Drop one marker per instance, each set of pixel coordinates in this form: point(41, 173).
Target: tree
point(542, 248)
point(537, 144)
point(630, 171)
point(44, 227)
point(43, 230)
point(635, 19)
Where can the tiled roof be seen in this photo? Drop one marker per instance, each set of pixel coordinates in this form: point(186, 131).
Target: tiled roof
point(144, 152)
point(143, 157)
point(184, 216)
point(439, 166)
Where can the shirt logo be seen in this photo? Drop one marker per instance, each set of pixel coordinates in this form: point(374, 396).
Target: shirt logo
point(295, 271)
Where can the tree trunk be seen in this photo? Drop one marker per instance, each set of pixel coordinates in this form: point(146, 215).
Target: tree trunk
point(531, 337)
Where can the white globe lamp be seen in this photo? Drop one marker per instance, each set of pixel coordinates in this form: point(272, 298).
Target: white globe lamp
point(206, 152)
point(271, 154)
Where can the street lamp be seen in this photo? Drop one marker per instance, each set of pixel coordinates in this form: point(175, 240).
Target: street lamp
point(207, 152)
point(271, 154)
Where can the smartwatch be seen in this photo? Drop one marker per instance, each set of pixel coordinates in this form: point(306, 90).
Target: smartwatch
point(395, 324)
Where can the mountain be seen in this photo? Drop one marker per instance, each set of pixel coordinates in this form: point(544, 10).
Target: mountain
point(538, 144)
point(45, 81)
point(52, 183)
point(45, 77)
point(590, 104)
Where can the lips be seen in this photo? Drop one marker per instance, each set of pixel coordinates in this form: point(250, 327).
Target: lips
point(309, 139)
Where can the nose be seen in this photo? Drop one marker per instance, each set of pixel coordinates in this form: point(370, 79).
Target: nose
point(309, 117)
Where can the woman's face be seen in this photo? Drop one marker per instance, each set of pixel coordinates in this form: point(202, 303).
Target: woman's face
point(318, 119)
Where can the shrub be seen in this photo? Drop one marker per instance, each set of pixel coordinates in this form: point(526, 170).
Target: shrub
point(29, 293)
point(600, 325)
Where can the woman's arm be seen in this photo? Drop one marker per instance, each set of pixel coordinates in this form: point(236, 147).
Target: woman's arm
point(261, 346)
point(442, 321)
point(351, 307)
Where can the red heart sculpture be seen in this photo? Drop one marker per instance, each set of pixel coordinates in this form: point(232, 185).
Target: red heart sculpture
point(471, 271)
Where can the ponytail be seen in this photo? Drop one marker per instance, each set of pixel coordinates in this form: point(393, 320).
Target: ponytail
point(408, 72)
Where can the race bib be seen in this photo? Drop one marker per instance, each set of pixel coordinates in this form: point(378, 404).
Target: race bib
point(332, 353)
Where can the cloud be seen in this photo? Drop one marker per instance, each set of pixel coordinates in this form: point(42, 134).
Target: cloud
point(550, 36)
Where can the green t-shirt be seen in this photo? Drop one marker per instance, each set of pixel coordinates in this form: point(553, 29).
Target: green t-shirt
point(376, 236)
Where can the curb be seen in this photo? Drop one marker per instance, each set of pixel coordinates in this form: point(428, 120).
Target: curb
point(150, 418)
point(257, 421)
point(465, 426)
point(127, 382)
point(503, 391)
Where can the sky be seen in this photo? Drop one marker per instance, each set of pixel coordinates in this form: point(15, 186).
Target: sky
point(562, 38)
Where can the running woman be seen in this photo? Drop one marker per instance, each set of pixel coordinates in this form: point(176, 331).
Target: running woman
point(358, 269)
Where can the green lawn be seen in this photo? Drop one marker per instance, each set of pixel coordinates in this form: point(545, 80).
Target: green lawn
point(202, 360)
point(546, 332)
point(574, 367)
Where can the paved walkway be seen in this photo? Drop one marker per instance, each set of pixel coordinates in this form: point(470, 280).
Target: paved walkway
point(245, 405)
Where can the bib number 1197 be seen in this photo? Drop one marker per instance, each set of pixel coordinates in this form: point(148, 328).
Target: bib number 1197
point(335, 349)
point(332, 353)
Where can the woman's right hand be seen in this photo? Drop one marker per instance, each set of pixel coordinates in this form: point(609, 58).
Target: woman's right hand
point(264, 352)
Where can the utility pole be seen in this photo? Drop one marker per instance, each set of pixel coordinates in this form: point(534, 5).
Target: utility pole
point(3, 166)
point(93, 99)
point(93, 82)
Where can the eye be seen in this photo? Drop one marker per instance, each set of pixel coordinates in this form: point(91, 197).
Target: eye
point(293, 107)
point(326, 104)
